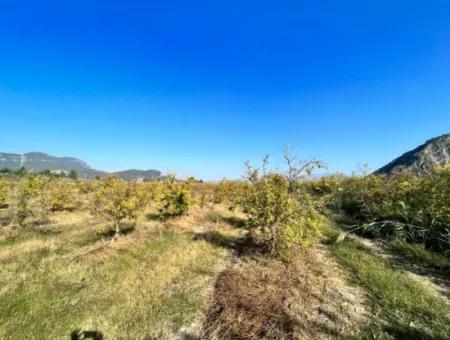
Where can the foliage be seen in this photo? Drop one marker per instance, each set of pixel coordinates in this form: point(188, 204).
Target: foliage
point(280, 210)
point(87, 187)
point(60, 195)
point(200, 192)
point(73, 175)
point(4, 191)
point(230, 193)
point(26, 200)
point(404, 205)
point(6, 172)
point(175, 200)
point(116, 200)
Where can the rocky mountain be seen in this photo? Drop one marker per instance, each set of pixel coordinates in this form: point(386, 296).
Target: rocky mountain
point(434, 152)
point(38, 161)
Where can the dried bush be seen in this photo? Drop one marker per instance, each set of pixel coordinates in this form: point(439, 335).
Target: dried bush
point(251, 303)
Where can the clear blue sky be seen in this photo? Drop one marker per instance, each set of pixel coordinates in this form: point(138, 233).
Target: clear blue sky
point(199, 87)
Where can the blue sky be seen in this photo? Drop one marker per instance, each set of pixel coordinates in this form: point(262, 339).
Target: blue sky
point(199, 87)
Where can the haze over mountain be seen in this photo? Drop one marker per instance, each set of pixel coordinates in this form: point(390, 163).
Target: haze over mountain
point(39, 161)
point(434, 152)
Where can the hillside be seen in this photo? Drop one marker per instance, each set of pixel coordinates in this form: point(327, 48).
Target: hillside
point(135, 174)
point(434, 152)
point(38, 161)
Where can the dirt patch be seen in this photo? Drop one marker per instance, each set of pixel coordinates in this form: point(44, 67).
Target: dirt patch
point(342, 309)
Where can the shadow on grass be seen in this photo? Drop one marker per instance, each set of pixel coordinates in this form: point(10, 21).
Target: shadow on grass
point(247, 245)
point(218, 239)
point(400, 331)
point(395, 331)
point(79, 335)
point(125, 229)
point(160, 217)
point(187, 336)
point(156, 217)
point(234, 221)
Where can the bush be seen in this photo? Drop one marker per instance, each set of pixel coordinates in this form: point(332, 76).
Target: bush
point(4, 192)
point(115, 201)
point(175, 198)
point(281, 210)
point(406, 206)
point(60, 195)
point(27, 203)
point(230, 193)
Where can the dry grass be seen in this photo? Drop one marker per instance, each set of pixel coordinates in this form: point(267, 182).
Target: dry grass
point(153, 282)
point(306, 299)
point(250, 302)
point(198, 275)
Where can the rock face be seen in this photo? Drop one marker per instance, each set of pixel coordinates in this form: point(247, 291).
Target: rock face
point(38, 161)
point(435, 152)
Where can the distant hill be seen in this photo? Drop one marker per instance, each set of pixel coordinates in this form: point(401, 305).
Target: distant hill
point(38, 161)
point(134, 174)
point(422, 159)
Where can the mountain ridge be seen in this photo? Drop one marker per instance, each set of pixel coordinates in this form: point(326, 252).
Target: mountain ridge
point(39, 161)
point(423, 159)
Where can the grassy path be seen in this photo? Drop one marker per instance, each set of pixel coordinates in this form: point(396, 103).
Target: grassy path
point(404, 307)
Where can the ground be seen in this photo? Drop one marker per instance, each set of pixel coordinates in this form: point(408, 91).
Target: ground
point(193, 277)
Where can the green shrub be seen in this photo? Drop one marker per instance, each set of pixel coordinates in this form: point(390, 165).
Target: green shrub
point(60, 195)
point(4, 192)
point(285, 217)
point(175, 198)
point(27, 204)
point(115, 201)
point(406, 206)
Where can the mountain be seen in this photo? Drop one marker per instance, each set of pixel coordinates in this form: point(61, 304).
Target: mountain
point(422, 159)
point(38, 161)
point(134, 175)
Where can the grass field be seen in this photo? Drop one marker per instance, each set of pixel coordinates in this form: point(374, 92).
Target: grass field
point(150, 283)
point(186, 277)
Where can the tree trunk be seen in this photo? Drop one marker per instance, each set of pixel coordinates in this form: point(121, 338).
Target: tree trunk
point(116, 235)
